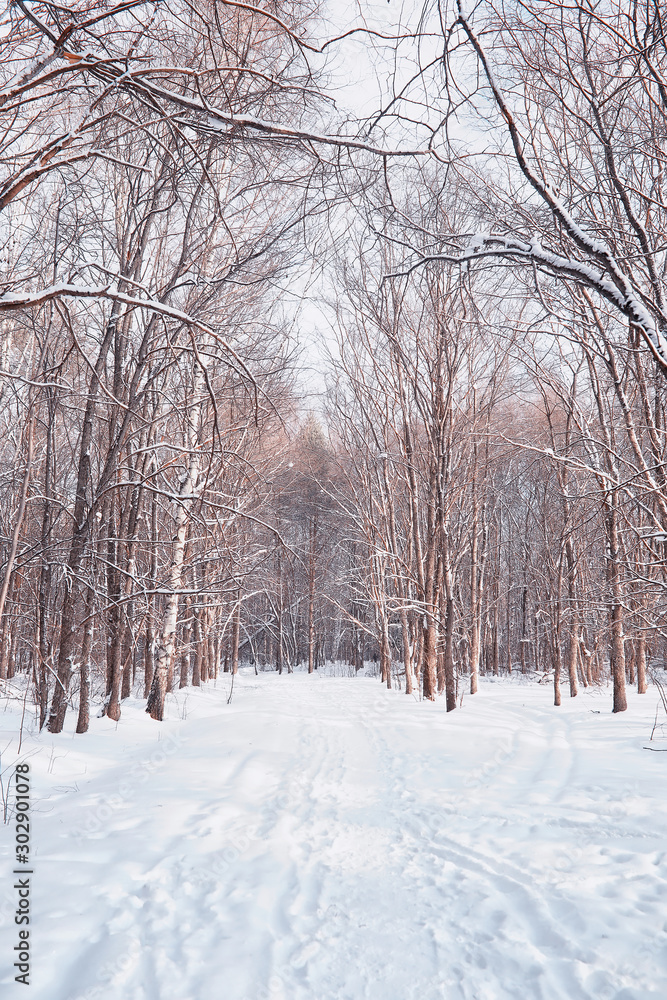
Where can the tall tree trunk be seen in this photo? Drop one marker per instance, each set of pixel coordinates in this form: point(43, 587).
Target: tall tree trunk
point(620, 702)
point(450, 679)
point(431, 580)
point(407, 651)
point(508, 622)
point(83, 720)
point(116, 618)
point(279, 623)
point(429, 659)
point(558, 630)
point(573, 653)
point(186, 495)
point(571, 561)
point(642, 686)
point(196, 666)
point(311, 595)
point(80, 534)
point(474, 582)
point(212, 664)
point(4, 589)
point(398, 574)
point(385, 650)
point(236, 633)
point(149, 641)
point(205, 622)
point(557, 669)
point(185, 647)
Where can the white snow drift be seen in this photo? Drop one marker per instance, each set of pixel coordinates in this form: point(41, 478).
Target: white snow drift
point(322, 838)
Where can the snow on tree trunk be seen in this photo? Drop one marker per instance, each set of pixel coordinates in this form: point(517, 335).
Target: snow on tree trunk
point(186, 497)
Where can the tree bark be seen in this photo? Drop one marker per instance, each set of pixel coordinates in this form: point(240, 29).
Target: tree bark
point(236, 633)
point(83, 720)
point(620, 702)
point(642, 686)
point(80, 535)
point(4, 589)
point(186, 495)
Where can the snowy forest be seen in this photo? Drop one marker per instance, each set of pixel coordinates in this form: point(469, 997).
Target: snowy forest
point(333, 499)
point(478, 485)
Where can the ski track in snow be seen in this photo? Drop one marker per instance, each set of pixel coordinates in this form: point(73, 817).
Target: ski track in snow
point(324, 839)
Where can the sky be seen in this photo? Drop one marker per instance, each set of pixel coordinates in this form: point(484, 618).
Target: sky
point(360, 72)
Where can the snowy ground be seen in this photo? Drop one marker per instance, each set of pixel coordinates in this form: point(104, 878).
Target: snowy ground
point(324, 839)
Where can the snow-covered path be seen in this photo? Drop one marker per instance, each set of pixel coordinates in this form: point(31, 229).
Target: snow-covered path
point(324, 839)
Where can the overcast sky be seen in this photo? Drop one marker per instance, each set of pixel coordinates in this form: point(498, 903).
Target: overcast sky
point(360, 70)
